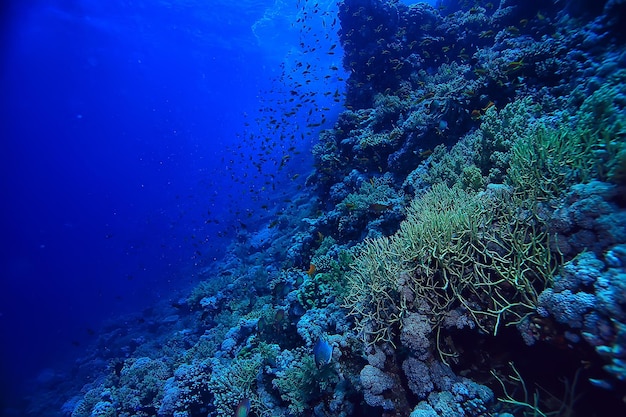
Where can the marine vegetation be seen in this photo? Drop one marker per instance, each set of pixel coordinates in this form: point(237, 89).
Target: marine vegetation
point(459, 248)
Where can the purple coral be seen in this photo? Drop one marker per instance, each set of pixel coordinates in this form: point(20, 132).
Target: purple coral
point(375, 382)
point(589, 219)
point(418, 376)
point(590, 295)
point(415, 334)
point(566, 307)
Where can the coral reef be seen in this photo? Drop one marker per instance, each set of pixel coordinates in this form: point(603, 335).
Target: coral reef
point(470, 199)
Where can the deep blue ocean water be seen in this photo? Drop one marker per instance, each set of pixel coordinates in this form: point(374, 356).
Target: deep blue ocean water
point(128, 128)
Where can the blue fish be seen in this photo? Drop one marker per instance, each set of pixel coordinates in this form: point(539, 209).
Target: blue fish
point(243, 409)
point(323, 352)
point(601, 383)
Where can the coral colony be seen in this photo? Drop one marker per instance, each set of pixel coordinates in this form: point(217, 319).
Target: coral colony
point(459, 248)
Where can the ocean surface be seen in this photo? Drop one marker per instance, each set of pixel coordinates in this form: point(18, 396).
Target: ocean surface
point(313, 208)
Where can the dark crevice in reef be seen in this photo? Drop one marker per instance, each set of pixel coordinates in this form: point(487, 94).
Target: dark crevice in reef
point(548, 368)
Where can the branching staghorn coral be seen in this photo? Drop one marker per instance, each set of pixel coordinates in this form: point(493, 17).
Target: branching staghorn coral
point(589, 144)
point(488, 254)
point(456, 249)
point(373, 296)
point(300, 381)
point(236, 381)
point(378, 190)
point(548, 160)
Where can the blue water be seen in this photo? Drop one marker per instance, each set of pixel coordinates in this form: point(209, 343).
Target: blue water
point(128, 128)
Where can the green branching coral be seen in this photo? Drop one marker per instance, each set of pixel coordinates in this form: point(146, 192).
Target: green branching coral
point(487, 252)
point(387, 108)
point(450, 82)
point(548, 158)
point(141, 382)
point(205, 346)
point(367, 139)
point(539, 156)
point(546, 162)
point(301, 381)
point(322, 287)
point(377, 191)
point(85, 406)
point(456, 249)
point(373, 296)
point(232, 382)
point(206, 288)
point(483, 156)
point(603, 116)
point(373, 198)
point(498, 132)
